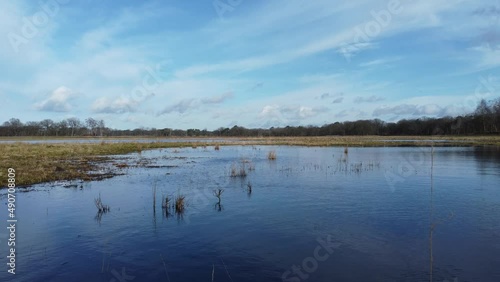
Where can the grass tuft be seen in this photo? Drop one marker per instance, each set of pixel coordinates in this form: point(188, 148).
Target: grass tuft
point(238, 171)
point(180, 203)
point(101, 208)
point(271, 155)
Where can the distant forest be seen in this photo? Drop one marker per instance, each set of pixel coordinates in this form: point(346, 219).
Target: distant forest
point(484, 120)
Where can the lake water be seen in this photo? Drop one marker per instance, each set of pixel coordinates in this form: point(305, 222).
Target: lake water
point(313, 214)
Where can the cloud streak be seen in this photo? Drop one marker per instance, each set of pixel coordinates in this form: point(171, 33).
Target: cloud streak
point(58, 101)
point(414, 110)
point(369, 99)
point(217, 99)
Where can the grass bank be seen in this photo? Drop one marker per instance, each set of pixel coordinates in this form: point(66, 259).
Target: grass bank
point(37, 163)
point(42, 162)
point(377, 141)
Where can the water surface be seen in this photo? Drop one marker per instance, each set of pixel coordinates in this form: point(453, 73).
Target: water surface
point(375, 210)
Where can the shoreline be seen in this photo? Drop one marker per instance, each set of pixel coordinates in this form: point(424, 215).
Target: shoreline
point(43, 162)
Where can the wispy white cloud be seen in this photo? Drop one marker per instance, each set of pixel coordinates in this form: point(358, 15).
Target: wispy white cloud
point(487, 57)
point(217, 99)
point(369, 99)
point(411, 110)
point(290, 113)
point(181, 107)
point(114, 106)
point(118, 105)
point(338, 100)
point(58, 101)
point(378, 62)
point(191, 104)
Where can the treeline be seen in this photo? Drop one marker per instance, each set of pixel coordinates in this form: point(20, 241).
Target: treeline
point(484, 120)
point(48, 127)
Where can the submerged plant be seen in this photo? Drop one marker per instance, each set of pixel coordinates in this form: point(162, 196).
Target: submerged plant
point(166, 206)
point(154, 196)
point(165, 202)
point(180, 203)
point(100, 206)
point(251, 166)
point(218, 193)
point(238, 171)
point(271, 155)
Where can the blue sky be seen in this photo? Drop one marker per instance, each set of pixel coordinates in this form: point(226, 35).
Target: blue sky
point(253, 63)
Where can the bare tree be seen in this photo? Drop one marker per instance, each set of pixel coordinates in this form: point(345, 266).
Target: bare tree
point(496, 112)
point(14, 126)
point(101, 125)
point(483, 112)
point(32, 128)
point(61, 128)
point(47, 125)
point(92, 125)
point(74, 124)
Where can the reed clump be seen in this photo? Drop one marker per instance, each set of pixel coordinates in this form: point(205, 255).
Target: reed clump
point(251, 167)
point(271, 155)
point(238, 170)
point(101, 208)
point(248, 164)
point(180, 203)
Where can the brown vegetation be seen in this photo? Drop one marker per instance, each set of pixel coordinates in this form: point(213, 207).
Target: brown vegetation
point(271, 155)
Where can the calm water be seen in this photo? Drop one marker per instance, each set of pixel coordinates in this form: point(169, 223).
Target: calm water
point(314, 214)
